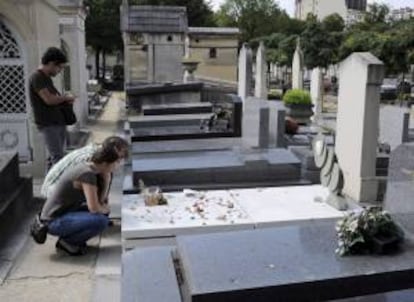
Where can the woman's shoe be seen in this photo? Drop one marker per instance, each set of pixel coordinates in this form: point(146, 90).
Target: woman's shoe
point(70, 249)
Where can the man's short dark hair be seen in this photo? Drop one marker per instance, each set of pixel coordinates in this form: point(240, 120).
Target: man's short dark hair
point(55, 55)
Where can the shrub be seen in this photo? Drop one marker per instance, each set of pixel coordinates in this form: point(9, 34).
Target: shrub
point(274, 94)
point(297, 96)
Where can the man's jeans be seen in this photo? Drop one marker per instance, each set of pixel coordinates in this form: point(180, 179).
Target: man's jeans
point(77, 227)
point(55, 138)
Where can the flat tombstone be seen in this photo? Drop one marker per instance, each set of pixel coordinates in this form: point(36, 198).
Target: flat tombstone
point(399, 197)
point(148, 275)
point(291, 263)
point(361, 76)
point(394, 124)
point(263, 124)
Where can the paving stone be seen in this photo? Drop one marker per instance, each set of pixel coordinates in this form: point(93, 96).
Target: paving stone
point(149, 276)
point(107, 288)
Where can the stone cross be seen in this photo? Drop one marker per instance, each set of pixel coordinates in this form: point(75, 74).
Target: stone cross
point(361, 76)
point(245, 72)
point(316, 90)
point(297, 67)
point(260, 89)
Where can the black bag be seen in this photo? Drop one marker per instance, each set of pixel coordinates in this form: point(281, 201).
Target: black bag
point(68, 113)
point(38, 230)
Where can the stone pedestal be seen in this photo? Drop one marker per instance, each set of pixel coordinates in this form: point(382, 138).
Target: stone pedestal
point(189, 68)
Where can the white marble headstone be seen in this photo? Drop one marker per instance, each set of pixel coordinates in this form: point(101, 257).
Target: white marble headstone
point(245, 72)
point(316, 91)
point(297, 68)
point(260, 89)
point(361, 76)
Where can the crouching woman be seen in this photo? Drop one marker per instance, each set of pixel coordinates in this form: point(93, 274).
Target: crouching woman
point(65, 212)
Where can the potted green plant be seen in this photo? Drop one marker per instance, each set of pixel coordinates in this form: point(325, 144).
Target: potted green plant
point(371, 231)
point(299, 105)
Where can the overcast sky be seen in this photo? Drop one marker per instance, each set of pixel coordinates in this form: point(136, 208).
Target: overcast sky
point(289, 5)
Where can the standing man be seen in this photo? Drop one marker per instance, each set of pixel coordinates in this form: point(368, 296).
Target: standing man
point(47, 103)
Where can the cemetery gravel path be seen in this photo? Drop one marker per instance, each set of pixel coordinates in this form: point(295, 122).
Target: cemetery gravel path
point(39, 273)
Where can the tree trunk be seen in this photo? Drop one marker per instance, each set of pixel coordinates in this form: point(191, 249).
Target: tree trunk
point(97, 53)
point(103, 64)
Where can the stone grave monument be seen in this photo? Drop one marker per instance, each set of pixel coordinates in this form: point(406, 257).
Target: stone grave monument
point(316, 91)
point(297, 67)
point(357, 124)
point(245, 72)
point(260, 89)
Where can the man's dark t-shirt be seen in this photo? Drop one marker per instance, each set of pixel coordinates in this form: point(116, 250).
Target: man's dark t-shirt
point(44, 114)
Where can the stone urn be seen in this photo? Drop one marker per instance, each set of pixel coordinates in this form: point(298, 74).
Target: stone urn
point(301, 113)
point(189, 66)
point(298, 105)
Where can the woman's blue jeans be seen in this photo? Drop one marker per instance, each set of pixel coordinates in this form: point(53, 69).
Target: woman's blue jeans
point(78, 227)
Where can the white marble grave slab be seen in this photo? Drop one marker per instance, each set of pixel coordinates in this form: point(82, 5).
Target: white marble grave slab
point(223, 210)
point(286, 205)
point(182, 215)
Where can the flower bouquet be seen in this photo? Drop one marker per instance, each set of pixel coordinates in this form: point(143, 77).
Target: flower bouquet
point(371, 231)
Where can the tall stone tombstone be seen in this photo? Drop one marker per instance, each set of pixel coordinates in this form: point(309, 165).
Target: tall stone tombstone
point(316, 91)
point(361, 76)
point(245, 72)
point(260, 89)
point(297, 67)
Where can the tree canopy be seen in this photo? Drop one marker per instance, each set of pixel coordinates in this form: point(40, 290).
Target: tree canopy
point(102, 25)
point(254, 18)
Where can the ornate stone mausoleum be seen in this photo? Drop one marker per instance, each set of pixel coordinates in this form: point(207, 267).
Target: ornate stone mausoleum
point(157, 38)
point(27, 29)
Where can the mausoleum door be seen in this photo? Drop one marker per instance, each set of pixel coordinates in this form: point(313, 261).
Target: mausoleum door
point(13, 95)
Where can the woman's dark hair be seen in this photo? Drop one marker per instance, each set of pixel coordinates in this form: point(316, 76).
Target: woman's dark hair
point(118, 143)
point(110, 151)
point(55, 55)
